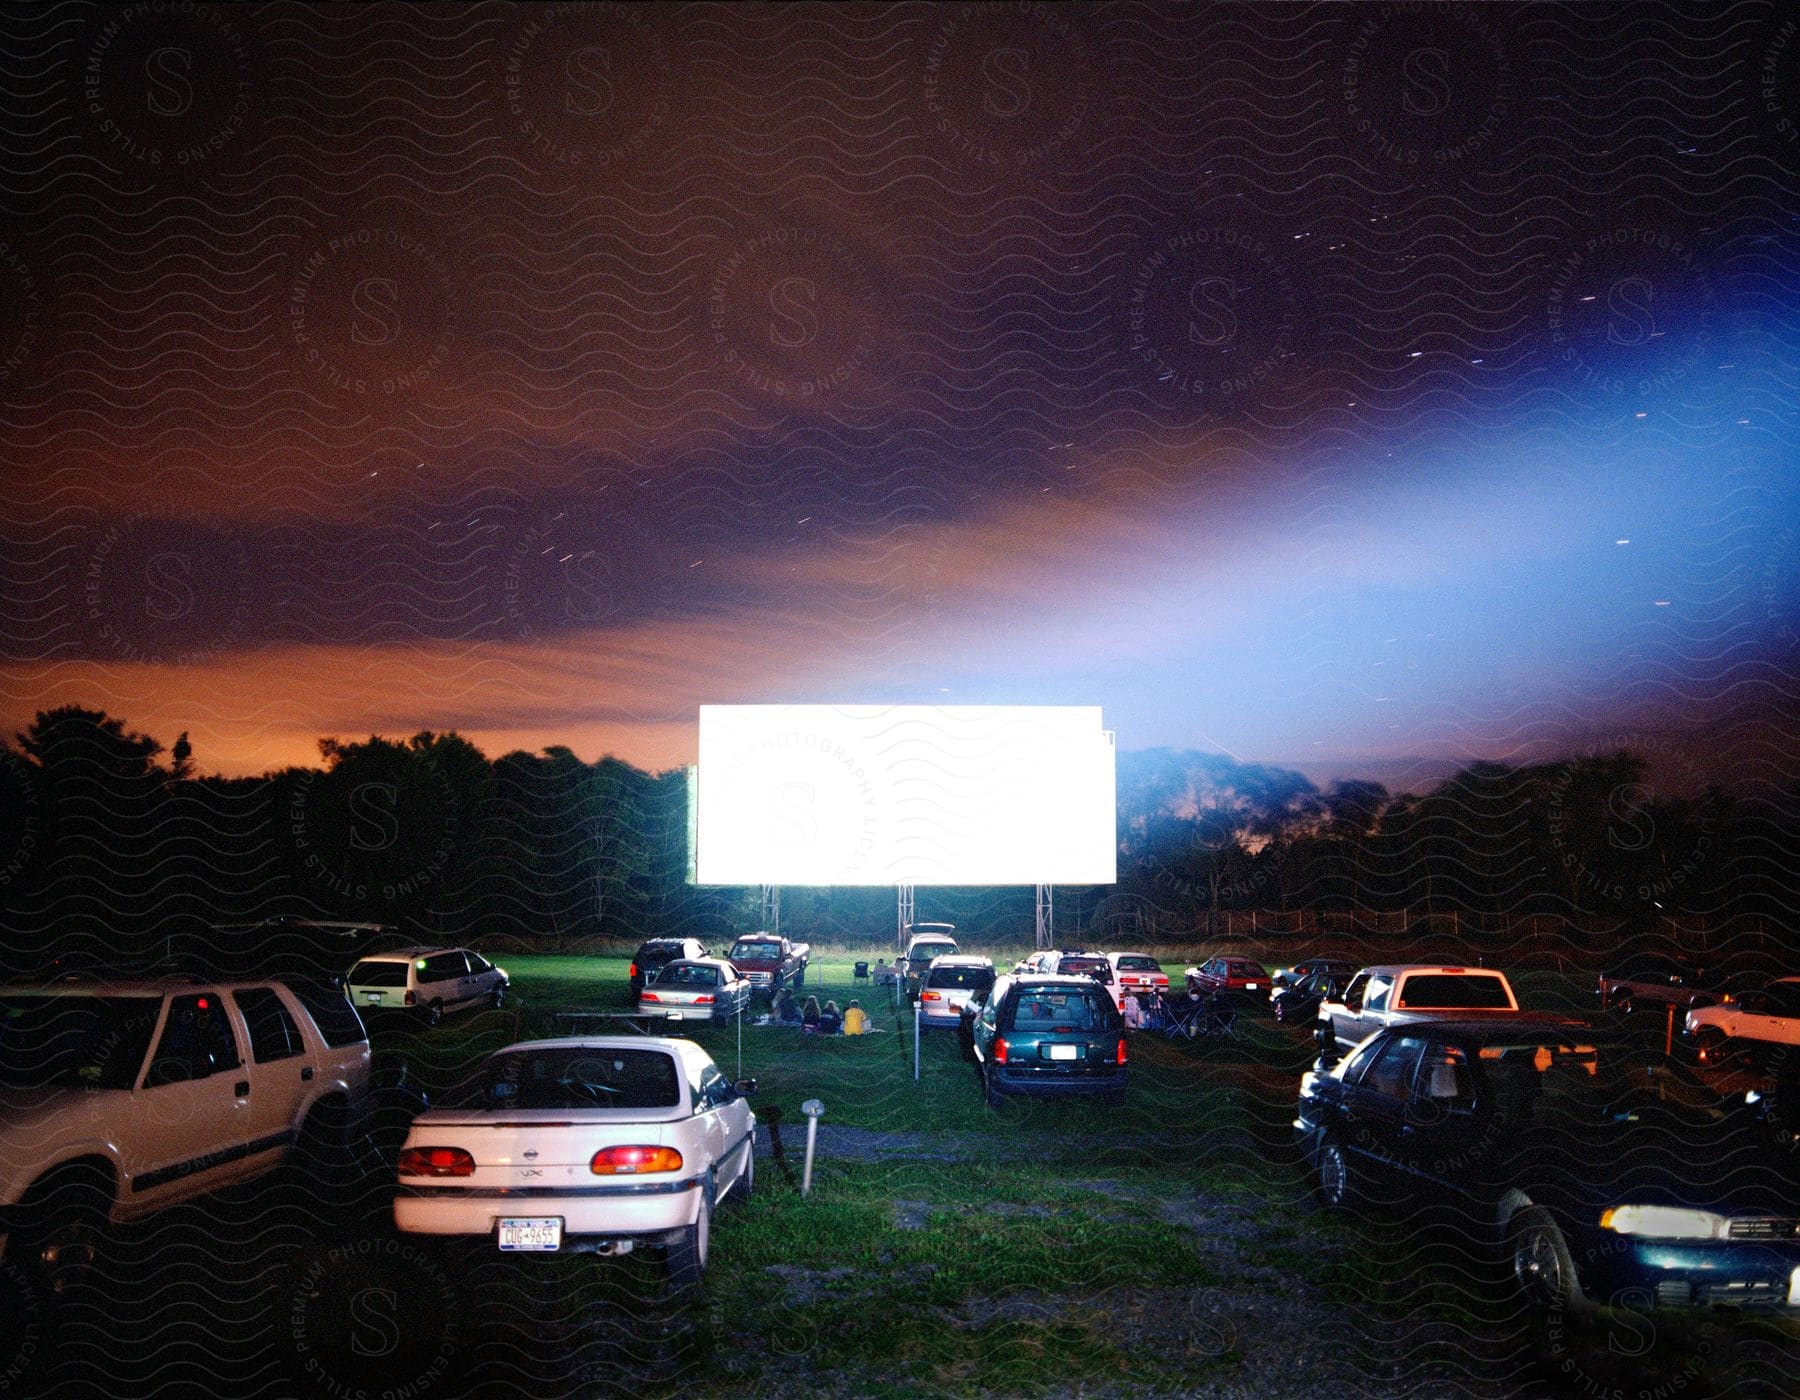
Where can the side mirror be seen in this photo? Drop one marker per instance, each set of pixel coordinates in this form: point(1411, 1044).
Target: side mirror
point(745, 1087)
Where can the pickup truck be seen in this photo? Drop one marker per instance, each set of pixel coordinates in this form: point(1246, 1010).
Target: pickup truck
point(770, 962)
point(1379, 997)
point(119, 1098)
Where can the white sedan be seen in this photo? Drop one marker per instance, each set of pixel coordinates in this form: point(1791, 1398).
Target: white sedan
point(1770, 1016)
point(592, 1144)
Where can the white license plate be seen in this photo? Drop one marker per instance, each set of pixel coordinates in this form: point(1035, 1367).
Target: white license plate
point(531, 1232)
point(1065, 1052)
point(1249, 986)
point(373, 998)
point(672, 1015)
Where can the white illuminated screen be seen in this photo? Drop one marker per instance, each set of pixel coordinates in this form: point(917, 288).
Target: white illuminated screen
point(909, 794)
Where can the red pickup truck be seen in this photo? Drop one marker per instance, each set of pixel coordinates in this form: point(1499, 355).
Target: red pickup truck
point(770, 962)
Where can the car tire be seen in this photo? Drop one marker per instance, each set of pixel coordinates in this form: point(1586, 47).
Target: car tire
point(322, 1162)
point(1709, 1046)
point(686, 1258)
point(59, 1243)
point(498, 998)
point(990, 1090)
point(799, 979)
point(431, 1013)
point(746, 1184)
point(1543, 1269)
point(1331, 1176)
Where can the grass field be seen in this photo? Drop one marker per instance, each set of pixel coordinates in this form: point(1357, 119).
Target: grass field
point(1167, 1247)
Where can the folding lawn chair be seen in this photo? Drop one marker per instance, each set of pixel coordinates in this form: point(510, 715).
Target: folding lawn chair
point(1180, 1016)
point(1218, 1015)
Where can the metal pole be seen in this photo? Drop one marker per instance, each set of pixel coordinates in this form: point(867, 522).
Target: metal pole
point(740, 1029)
point(915, 1042)
point(814, 1110)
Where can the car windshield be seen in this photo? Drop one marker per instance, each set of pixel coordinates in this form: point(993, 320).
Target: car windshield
point(570, 1077)
point(755, 951)
point(1058, 1009)
point(86, 1042)
point(1456, 992)
point(1137, 962)
point(967, 978)
point(378, 974)
point(688, 975)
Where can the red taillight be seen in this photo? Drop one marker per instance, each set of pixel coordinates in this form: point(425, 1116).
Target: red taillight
point(436, 1161)
point(1121, 1051)
point(703, 1000)
point(411, 997)
point(634, 972)
point(930, 996)
point(648, 995)
point(999, 1050)
point(629, 1161)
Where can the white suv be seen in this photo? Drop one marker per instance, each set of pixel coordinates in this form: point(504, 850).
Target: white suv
point(119, 1098)
point(431, 981)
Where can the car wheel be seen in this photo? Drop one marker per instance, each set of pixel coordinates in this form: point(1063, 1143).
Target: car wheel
point(746, 1184)
point(60, 1241)
point(433, 1013)
point(1623, 1006)
point(1709, 1046)
point(322, 1158)
point(687, 1256)
point(498, 999)
point(799, 979)
point(990, 1090)
point(1542, 1267)
point(1331, 1175)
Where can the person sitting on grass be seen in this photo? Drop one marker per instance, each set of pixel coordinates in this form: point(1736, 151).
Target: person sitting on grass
point(856, 1020)
point(883, 974)
point(809, 1015)
point(785, 1009)
point(831, 1020)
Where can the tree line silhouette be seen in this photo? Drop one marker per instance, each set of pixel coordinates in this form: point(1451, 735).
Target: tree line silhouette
point(108, 838)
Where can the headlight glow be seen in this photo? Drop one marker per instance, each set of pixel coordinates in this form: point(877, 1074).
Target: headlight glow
point(1665, 1222)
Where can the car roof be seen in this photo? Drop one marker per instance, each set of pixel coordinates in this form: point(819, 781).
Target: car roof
point(408, 954)
point(137, 986)
point(701, 962)
point(1395, 969)
point(962, 960)
point(1498, 1022)
point(685, 1049)
point(1051, 979)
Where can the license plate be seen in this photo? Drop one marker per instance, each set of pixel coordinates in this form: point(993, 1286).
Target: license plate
point(1249, 986)
point(1065, 1052)
point(373, 998)
point(531, 1232)
point(671, 1015)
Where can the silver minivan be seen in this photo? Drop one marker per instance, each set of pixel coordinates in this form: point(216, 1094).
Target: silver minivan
point(951, 983)
point(428, 981)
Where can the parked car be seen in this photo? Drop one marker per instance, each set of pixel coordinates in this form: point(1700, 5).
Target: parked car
point(1300, 971)
point(654, 954)
point(1041, 961)
point(1047, 1034)
point(696, 989)
point(1404, 994)
point(1298, 1003)
point(922, 949)
point(1137, 972)
point(771, 961)
point(119, 1098)
point(1746, 1023)
point(1227, 974)
point(431, 982)
point(1638, 979)
point(1605, 1191)
point(1078, 962)
point(951, 983)
point(601, 1144)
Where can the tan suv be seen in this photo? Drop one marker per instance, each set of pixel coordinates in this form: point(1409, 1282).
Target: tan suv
point(430, 981)
point(120, 1098)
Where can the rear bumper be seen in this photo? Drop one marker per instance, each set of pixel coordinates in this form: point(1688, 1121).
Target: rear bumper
point(596, 1218)
point(1041, 1083)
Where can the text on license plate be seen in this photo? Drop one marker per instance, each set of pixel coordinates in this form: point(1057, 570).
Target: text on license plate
point(531, 1232)
point(1064, 1052)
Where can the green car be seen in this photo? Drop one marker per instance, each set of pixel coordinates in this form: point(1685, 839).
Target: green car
point(1044, 1034)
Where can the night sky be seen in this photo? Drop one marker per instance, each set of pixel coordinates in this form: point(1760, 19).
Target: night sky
point(1361, 388)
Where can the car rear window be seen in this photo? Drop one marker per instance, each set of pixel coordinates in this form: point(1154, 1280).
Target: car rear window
point(378, 974)
point(1061, 1009)
point(1135, 962)
point(659, 952)
point(1097, 968)
point(330, 1009)
point(1455, 992)
point(688, 975)
point(975, 979)
point(75, 1041)
point(570, 1077)
point(925, 952)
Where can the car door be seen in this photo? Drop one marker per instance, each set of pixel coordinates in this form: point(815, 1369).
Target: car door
point(1345, 1014)
point(711, 1096)
point(441, 978)
point(482, 977)
point(1377, 1102)
point(278, 1069)
point(1440, 1140)
point(192, 1102)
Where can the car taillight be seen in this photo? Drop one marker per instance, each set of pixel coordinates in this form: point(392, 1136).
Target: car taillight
point(436, 1161)
point(999, 1050)
point(411, 998)
point(634, 972)
point(628, 1161)
point(931, 996)
point(703, 1001)
point(648, 996)
point(1121, 1051)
